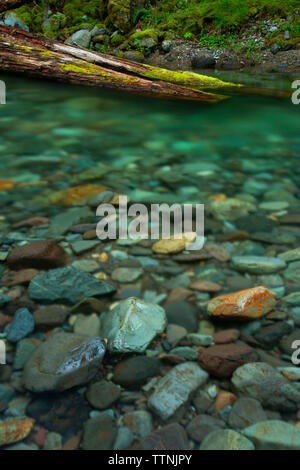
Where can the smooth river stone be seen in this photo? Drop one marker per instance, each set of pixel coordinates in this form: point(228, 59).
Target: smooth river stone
point(226, 439)
point(132, 325)
point(66, 285)
point(274, 435)
point(63, 361)
point(174, 390)
point(249, 304)
point(258, 264)
point(264, 383)
point(44, 254)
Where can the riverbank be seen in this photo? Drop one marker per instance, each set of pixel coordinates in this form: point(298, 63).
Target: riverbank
point(174, 34)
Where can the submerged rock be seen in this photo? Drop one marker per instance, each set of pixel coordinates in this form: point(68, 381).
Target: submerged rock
point(44, 254)
point(264, 383)
point(170, 437)
point(135, 371)
point(226, 439)
point(274, 435)
point(247, 304)
point(222, 360)
point(99, 433)
point(21, 326)
point(63, 361)
point(132, 325)
point(258, 264)
point(174, 390)
point(15, 430)
point(66, 285)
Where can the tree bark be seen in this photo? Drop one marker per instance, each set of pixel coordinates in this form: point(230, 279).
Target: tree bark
point(11, 4)
point(23, 52)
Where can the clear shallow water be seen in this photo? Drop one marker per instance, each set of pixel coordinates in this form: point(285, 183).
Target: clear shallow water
point(50, 134)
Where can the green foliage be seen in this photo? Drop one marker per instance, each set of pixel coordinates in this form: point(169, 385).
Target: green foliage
point(188, 35)
point(193, 16)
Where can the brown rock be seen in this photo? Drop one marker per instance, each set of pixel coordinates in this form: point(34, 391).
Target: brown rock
point(247, 304)
point(221, 361)
point(202, 425)
point(90, 235)
point(53, 315)
point(4, 320)
point(224, 399)
point(72, 443)
point(44, 254)
point(226, 336)
point(205, 286)
point(171, 437)
point(32, 222)
point(217, 252)
point(179, 293)
point(21, 277)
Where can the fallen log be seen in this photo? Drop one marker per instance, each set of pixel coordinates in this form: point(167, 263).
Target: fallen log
point(24, 52)
point(21, 51)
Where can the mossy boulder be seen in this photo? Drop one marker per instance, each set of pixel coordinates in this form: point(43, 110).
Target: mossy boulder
point(135, 56)
point(119, 14)
point(116, 40)
point(147, 38)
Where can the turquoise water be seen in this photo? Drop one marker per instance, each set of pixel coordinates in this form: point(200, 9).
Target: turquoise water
point(51, 133)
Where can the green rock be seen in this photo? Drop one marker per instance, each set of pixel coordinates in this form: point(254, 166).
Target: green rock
point(264, 383)
point(63, 361)
point(66, 285)
point(132, 325)
point(258, 264)
point(226, 439)
point(187, 353)
point(84, 245)
point(274, 435)
point(61, 223)
point(99, 433)
point(175, 389)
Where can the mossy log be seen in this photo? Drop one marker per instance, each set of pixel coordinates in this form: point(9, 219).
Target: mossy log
point(24, 52)
point(41, 57)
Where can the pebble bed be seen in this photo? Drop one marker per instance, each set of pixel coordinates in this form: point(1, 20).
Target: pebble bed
point(140, 344)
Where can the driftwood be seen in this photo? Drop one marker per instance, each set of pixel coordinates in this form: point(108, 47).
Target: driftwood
point(24, 52)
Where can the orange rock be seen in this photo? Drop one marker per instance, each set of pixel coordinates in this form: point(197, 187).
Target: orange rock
point(103, 257)
point(224, 399)
point(5, 185)
point(218, 197)
point(21, 277)
point(173, 244)
point(298, 425)
point(178, 293)
point(246, 304)
point(76, 195)
point(15, 430)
